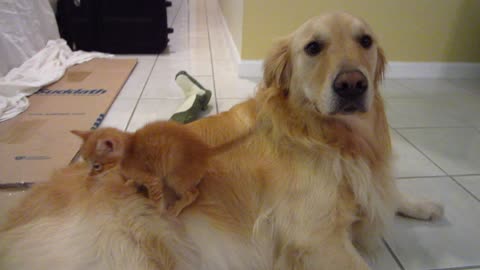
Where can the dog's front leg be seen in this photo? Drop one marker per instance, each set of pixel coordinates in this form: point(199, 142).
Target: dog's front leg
point(418, 209)
point(334, 253)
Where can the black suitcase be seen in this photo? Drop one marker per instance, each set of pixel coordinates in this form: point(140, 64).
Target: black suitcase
point(114, 26)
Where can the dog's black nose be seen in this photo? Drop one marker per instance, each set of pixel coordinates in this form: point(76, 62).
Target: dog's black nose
point(350, 84)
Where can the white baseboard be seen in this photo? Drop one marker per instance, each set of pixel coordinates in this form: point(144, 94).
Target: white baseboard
point(413, 70)
point(417, 70)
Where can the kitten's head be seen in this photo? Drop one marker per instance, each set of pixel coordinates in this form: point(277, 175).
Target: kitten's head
point(102, 148)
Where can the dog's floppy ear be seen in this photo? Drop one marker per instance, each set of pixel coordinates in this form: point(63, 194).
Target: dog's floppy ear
point(277, 68)
point(380, 68)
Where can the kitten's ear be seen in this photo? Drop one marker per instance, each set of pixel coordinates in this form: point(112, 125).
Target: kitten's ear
point(82, 134)
point(111, 147)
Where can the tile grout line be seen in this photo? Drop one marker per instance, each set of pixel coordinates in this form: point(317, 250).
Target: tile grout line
point(436, 176)
point(421, 152)
point(211, 57)
point(141, 93)
point(163, 98)
point(466, 174)
point(464, 188)
point(188, 22)
point(421, 177)
point(452, 177)
point(446, 173)
point(418, 149)
point(178, 11)
point(395, 258)
point(459, 268)
point(150, 74)
point(432, 127)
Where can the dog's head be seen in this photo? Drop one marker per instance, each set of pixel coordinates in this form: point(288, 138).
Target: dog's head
point(331, 64)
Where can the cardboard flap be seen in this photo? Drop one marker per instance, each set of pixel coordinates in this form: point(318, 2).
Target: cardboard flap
point(39, 141)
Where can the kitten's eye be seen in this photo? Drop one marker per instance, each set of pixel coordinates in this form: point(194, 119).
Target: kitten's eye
point(97, 167)
point(365, 41)
point(313, 48)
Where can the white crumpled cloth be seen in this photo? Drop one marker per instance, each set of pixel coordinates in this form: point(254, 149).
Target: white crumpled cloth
point(25, 28)
point(45, 67)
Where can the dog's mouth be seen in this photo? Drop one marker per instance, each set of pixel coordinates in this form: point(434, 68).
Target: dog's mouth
point(345, 108)
point(349, 107)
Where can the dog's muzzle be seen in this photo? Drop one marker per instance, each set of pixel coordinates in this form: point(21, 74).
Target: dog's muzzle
point(350, 89)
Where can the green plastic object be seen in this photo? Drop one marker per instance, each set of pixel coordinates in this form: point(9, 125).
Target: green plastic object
point(199, 104)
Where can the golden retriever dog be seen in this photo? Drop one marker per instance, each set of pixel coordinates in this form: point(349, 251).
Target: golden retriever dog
point(311, 186)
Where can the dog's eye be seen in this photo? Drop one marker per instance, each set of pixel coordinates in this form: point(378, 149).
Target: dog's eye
point(313, 48)
point(366, 41)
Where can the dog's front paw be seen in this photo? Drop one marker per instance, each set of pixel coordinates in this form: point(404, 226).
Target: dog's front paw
point(422, 210)
point(431, 210)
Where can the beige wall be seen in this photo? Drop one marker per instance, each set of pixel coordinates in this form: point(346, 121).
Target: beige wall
point(409, 30)
point(233, 13)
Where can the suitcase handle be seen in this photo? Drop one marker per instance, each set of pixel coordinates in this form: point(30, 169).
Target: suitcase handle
point(168, 4)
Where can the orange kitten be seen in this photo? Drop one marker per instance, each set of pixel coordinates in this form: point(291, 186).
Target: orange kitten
point(162, 156)
point(101, 149)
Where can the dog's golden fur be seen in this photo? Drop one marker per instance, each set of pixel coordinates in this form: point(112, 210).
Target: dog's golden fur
point(76, 221)
point(308, 189)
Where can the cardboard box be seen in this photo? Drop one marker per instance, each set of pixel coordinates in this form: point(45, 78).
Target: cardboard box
point(38, 141)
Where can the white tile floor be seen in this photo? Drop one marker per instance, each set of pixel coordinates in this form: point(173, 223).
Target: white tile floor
point(435, 131)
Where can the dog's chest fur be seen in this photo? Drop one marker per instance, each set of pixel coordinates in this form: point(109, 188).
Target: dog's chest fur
point(321, 192)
